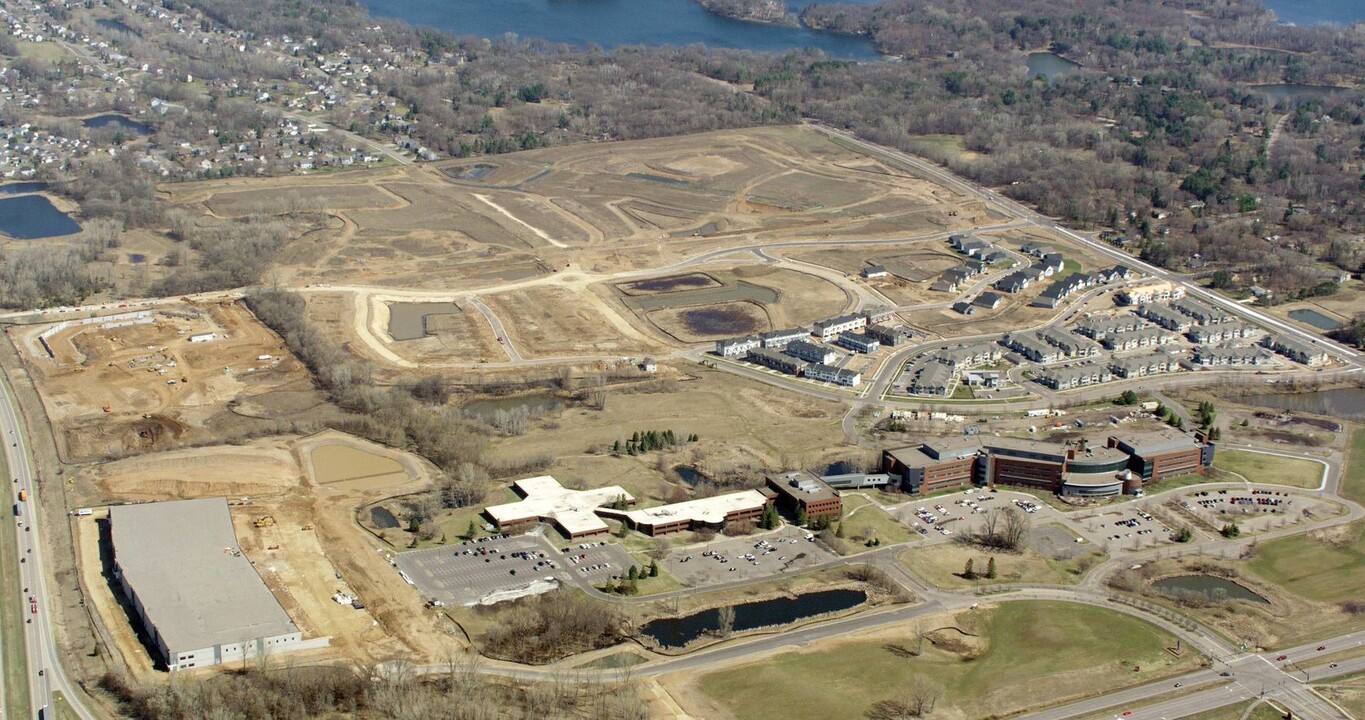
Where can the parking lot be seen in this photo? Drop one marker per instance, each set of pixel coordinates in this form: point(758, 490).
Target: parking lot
point(1129, 528)
point(787, 551)
point(463, 574)
point(1255, 511)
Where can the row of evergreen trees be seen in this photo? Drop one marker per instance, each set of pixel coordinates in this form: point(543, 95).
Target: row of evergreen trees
point(649, 440)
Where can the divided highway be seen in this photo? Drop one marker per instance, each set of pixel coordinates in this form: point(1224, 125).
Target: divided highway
point(45, 671)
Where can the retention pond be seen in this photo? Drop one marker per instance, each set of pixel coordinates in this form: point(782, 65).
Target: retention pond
point(1213, 589)
point(678, 632)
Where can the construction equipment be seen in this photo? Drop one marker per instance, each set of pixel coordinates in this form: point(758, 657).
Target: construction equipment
point(309, 526)
point(264, 521)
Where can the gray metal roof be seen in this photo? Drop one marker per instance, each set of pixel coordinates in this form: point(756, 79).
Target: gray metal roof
point(182, 560)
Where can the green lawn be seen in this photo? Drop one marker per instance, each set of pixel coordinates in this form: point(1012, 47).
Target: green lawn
point(1353, 481)
point(1262, 468)
point(61, 710)
point(12, 624)
point(1034, 653)
point(1314, 569)
point(874, 520)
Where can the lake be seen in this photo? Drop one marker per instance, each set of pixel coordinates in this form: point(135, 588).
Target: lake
point(1049, 65)
point(117, 121)
point(614, 23)
point(1348, 403)
point(1298, 93)
point(31, 217)
point(678, 632)
point(1312, 12)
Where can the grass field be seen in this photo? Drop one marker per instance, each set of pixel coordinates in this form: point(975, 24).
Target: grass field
point(1348, 692)
point(1314, 566)
point(1353, 480)
point(940, 566)
point(12, 626)
point(1030, 654)
point(871, 521)
point(1273, 469)
point(61, 710)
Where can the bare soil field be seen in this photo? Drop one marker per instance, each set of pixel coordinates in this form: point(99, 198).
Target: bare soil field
point(256, 469)
point(126, 385)
point(598, 205)
point(300, 197)
point(555, 321)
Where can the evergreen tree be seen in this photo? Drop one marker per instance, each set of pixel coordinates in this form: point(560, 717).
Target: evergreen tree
point(800, 517)
point(470, 531)
point(839, 530)
point(633, 573)
point(653, 568)
point(616, 448)
point(968, 572)
point(990, 567)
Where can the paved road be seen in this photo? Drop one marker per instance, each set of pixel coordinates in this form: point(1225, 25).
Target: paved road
point(504, 339)
point(39, 638)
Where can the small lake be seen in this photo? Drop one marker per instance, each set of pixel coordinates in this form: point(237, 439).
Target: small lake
point(118, 122)
point(382, 518)
point(1315, 318)
point(1298, 93)
point(615, 23)
point(689, 474)
point(1212, 588)
point(487, 410)
point(116, 26)
point(408, 321)
point(678, 632)
point(1050, 65)
point(32, 217)
point(22, 188)
point(1347, 403)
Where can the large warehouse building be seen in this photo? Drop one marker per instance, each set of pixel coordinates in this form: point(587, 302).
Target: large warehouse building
point(199, 598)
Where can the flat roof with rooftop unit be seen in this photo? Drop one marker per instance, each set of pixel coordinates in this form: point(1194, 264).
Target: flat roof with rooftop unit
point(199, 598)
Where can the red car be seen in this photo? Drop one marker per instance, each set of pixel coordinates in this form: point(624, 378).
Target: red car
point(1282, 657)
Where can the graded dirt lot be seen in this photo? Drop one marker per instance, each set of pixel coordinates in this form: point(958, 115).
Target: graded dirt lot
point(134, 381)
point(553, 322)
